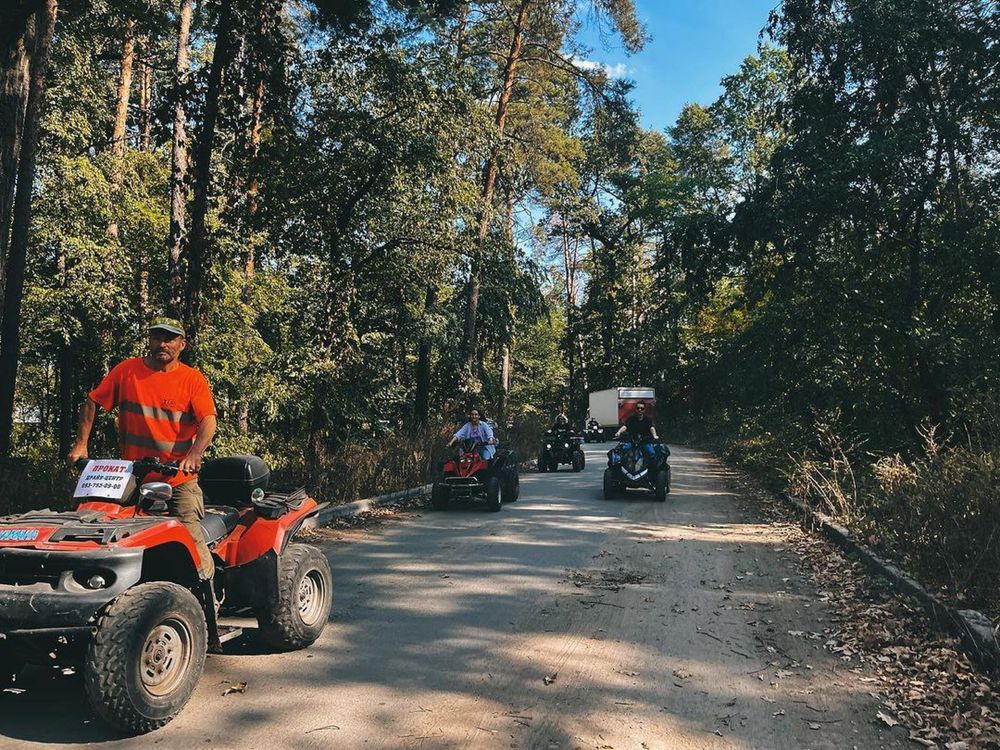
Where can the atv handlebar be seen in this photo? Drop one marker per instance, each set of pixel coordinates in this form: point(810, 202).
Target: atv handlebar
point(140, 467)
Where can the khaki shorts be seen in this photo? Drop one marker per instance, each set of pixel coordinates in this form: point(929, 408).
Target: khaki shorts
point(188, 505)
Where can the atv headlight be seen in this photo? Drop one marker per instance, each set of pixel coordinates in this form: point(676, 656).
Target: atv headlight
point(566, 445)
point(547, 446)
point(93, 579)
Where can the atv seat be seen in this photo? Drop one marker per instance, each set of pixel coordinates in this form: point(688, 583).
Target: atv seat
point(219, 520)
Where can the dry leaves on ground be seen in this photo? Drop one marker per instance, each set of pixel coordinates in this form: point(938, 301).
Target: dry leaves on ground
point(924, 680)
point(369, 519)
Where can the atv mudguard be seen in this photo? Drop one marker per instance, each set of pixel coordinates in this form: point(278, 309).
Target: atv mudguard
point(503, 460)
point(254, 584)
point(251, 580)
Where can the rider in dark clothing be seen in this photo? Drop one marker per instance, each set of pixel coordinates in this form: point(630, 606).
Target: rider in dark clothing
point(562, 424)
point(641, 427)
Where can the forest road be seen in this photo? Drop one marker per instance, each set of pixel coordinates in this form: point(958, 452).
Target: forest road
point(563, 621)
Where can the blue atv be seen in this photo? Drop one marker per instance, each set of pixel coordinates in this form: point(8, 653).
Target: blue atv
point(637, 464)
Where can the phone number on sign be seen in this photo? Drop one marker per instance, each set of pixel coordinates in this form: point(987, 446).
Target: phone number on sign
point(92, 484)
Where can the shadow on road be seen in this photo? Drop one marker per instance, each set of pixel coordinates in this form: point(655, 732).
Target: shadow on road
point(463, 613)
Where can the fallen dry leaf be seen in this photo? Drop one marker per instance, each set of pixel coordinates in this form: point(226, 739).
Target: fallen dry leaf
point(550, 678)
point(237, 687)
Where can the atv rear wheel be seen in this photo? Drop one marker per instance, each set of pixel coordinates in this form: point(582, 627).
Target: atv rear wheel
point(611, 489)
point(511, 488)
point(662, 485)
point(146, 657)
point(493, 500)
point(440, 496)
point(579, 461)
point(305, 595)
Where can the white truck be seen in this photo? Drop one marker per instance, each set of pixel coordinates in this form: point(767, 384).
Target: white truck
point(613, 406)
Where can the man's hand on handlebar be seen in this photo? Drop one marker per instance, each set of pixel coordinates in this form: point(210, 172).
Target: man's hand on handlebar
point(191, 463)
point(76, 454)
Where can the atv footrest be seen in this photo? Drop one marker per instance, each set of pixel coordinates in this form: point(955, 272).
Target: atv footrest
point(229, 632)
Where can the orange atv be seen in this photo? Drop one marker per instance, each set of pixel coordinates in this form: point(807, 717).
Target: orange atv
point(466, 475)
point(114, 586)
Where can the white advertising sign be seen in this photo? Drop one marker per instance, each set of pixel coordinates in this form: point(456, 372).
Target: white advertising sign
point(105, 479)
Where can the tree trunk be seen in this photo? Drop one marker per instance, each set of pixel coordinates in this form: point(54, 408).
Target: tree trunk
point(118, 134)
point(505, 368)
point(10, 333)
point(198, 240)
point(179, 158)
point(13, 97)
point(145, 97)
point(422, 395)
point(265, 12)
point(253, 192)
point(67, 414)
point(118, 130)
point(489, 184)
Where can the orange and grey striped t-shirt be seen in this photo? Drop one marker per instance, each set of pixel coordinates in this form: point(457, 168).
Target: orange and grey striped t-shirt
point(158, 412)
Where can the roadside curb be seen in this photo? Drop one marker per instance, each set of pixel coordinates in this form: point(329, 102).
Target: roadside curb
point(367, 505)
point(379, 501)
point(976, 631)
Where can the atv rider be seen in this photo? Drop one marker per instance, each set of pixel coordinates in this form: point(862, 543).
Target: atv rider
point(561, 426)
point(478, 430)
point(166, 412)
point(641, 428)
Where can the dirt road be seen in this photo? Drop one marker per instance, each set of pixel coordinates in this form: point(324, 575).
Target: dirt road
point(564, 621)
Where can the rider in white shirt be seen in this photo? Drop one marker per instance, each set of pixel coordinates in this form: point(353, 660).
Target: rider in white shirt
point(476, 429)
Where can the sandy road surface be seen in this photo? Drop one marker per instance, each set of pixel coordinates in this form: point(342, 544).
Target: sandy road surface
point(659, 624)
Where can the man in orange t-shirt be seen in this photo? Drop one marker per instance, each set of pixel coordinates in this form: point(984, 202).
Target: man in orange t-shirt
point(165, 411)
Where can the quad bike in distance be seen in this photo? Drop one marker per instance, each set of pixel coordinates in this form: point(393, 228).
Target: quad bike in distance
point(466, 475)
point(560, 448)
point(632, 466)
point(593, 432)
point(113, 586)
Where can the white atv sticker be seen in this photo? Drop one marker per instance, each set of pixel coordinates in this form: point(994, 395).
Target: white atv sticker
point(105, 479)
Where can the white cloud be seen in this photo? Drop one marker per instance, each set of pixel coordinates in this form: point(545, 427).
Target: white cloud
point(618, 70)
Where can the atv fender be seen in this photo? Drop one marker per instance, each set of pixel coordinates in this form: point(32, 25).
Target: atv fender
point(265, 534)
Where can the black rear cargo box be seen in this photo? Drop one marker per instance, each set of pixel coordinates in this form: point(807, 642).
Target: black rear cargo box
point(229, 481)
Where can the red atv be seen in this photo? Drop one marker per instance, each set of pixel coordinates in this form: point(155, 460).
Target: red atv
point(467, 476)
point(114, 586)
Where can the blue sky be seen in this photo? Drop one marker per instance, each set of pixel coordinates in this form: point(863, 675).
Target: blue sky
point(694, 44)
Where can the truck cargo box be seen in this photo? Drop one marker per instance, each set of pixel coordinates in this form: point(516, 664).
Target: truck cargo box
point(611, 407)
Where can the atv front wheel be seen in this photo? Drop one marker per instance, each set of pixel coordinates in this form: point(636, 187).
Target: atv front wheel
point(493, 499)
point(543, 464)
point(611, 490)
point(553, 465)
point(305, 595)
point(146, 657)
point(511, 488)
point(662, 485)
point(440, 496)
point(579, 461)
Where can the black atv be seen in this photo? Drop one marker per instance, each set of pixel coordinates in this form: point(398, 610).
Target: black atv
point(560, 448)
point(631, 465)
point(593, 432)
